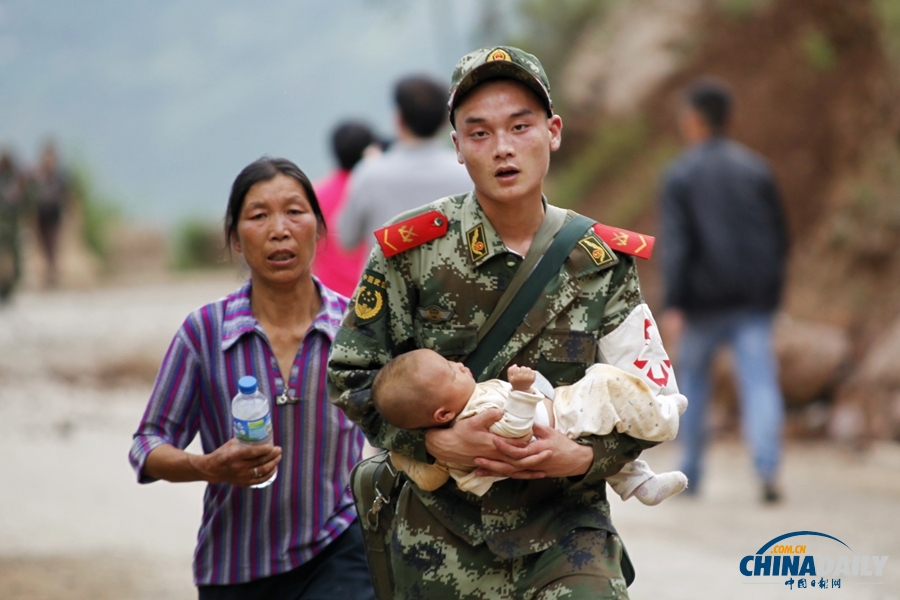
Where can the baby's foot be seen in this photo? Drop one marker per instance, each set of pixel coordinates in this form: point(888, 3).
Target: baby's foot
point(661, 486)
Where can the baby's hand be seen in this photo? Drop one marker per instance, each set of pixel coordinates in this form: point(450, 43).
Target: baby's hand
point(521, 378)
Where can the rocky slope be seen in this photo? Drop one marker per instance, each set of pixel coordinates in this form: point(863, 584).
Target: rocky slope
point(815, 84)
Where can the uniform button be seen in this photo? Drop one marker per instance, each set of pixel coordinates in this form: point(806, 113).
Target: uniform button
point(510, 262)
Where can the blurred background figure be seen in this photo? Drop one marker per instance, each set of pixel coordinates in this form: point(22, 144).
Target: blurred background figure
point(339, 268)
point(724, 247)
point(416, 169)
point(11, 208)
point(52, 195)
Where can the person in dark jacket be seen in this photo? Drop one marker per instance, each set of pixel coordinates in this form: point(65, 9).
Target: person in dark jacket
point(724, 245)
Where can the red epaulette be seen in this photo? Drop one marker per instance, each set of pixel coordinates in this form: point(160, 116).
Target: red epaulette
point(628, 242)
point(409, 233)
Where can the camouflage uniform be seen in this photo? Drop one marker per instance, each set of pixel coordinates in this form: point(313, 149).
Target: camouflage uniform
point(523, 534)
point(11, 203)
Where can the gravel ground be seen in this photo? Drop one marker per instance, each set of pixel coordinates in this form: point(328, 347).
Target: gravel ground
point(76, 369)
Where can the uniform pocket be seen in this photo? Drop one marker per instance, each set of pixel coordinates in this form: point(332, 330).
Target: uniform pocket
point(450, 342)
point(565, 355)
point(564, 345)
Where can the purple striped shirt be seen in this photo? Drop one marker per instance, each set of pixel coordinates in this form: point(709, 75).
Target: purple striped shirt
point(247, 534)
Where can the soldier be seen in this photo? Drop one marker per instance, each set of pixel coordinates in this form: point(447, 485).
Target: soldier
point(11, 204)
point(52, 196)
point(432, 282)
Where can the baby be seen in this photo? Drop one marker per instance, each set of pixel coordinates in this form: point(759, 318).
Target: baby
point(422, 389)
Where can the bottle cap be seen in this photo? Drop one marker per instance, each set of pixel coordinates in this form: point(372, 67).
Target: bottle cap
point(247, 384)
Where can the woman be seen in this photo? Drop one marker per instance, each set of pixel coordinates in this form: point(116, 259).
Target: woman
point(297, 537)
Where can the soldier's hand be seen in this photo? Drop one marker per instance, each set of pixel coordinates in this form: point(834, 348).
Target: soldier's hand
point(550, 454)
point(466, 440)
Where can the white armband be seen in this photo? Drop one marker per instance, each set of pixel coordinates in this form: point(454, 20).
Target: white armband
point(635, 346)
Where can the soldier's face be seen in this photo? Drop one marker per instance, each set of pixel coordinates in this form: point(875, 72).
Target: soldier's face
point(504, 138)
point(277, 231)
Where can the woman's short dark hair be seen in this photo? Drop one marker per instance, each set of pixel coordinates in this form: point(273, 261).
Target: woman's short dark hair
point(264, 169)
point(712, 99)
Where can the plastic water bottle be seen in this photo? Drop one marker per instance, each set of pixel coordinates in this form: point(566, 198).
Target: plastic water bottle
point(252, 418)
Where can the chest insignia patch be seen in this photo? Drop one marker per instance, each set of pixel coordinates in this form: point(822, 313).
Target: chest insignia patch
point(595, 249)
point(435, 314)
point(370, 302)
point(477, 245)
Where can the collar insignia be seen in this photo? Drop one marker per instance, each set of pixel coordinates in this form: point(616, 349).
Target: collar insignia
point(595, 249)
point(477, 245)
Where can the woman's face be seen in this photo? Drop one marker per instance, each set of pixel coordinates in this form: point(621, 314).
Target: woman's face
point(277, 231)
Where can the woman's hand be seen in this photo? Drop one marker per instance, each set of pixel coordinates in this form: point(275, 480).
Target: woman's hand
point(238, 464)
point(231, 463)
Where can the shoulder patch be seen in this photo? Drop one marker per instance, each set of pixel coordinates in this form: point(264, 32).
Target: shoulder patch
point(627, 242)
point(409, 233)
point(370, 301)
point(596, 249)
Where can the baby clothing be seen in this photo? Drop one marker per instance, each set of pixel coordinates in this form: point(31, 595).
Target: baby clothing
point(605, 398)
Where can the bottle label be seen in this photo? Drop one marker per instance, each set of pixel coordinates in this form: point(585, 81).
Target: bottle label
point(253, 431)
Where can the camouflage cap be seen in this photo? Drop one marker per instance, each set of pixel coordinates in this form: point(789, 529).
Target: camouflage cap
point(495, 63)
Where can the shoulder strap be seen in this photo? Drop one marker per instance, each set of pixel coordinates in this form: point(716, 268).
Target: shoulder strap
point(510, 315)
point(629, 242)
point(408, 233)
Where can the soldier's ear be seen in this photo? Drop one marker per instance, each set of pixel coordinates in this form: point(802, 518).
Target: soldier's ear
point(555, 126)
point(455, 137)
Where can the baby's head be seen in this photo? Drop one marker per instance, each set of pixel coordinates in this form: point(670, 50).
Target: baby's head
point(421, 389)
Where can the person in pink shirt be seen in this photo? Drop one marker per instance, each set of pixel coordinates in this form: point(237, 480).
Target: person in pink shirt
point(337, 268)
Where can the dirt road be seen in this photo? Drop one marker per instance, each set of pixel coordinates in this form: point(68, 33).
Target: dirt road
point(75, 372)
